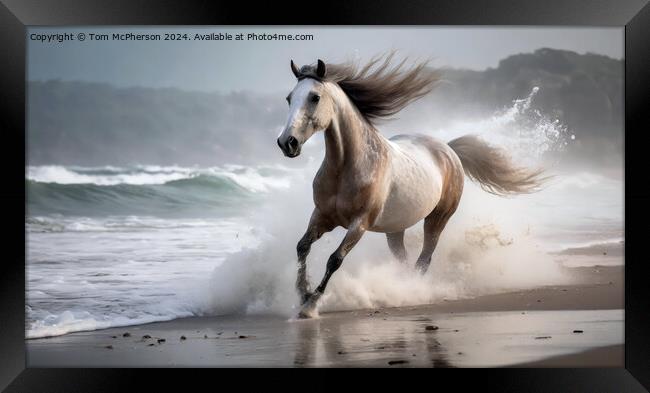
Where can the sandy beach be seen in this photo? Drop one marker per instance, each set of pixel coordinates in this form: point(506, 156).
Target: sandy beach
point(578, 325)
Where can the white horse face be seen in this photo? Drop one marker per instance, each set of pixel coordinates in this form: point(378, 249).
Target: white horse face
point(310, 110)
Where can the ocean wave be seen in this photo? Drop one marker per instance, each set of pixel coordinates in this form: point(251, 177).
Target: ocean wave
point(253, 179)
point(147, 190)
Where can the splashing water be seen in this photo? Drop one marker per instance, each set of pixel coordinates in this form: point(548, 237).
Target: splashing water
point(526, 133)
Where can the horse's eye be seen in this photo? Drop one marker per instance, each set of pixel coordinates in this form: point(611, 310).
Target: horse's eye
point(315, 98)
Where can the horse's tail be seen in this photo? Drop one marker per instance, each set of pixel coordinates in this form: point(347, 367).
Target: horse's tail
point(493, 169)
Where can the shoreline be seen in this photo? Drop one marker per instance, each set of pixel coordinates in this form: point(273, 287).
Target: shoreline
point(526, 328)
point(602, 285)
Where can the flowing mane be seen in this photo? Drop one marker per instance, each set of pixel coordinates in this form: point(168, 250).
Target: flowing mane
point(379, 90)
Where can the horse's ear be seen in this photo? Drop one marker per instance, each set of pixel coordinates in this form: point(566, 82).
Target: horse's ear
point(321, 69)
point(294, 69)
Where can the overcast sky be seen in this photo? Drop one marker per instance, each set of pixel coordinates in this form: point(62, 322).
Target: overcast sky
point(263, 66)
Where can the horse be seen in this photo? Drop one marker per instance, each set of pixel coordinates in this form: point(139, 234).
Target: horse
point(367, 182)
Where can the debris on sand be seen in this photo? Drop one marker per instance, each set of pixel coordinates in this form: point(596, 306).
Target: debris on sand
point(146, 337)
point(578, 331)
point(392, 362)
point(431, 327)
point(242, 336)
point(127, 334)
point(341, 353)
point(109, 347)
point(542, 337)
point(183, 338)
point(161, 340)
point(205, 336)
point(113, 336)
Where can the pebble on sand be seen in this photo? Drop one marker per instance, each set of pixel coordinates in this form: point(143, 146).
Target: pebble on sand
point(392, 362)
point(109, 347)
point(183, 338)
point(161, 340)
point(146, 336)
point(127, 334)
point(578, 331)
point(242, 336)
point(151, 345)
point(431, 327)
point(542, 337)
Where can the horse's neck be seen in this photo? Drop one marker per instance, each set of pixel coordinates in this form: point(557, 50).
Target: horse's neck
point(348, 140)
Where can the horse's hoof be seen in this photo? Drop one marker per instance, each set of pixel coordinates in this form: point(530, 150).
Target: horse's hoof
point(303, 315)
point(308, 305)
point(308, 312)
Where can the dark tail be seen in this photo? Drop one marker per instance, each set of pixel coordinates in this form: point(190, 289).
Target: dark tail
point(493, 169)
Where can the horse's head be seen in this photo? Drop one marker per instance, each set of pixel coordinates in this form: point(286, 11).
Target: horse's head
point(310, 108)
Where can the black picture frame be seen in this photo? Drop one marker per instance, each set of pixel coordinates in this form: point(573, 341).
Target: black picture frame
point(634, 15)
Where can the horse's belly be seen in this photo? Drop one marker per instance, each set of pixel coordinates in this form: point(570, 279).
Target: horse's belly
point(414, 192)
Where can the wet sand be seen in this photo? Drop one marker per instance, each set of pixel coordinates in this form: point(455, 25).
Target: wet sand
point(579, 325)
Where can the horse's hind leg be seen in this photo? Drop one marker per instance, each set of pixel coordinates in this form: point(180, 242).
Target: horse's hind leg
point(434, 223)
point(396, 245)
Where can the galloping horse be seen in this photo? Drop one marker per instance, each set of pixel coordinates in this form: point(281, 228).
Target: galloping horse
point(369, 183)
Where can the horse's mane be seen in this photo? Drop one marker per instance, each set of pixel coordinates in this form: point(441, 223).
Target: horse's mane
point(379, 90)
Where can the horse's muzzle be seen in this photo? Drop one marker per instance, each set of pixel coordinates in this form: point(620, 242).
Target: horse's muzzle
point(290, 147)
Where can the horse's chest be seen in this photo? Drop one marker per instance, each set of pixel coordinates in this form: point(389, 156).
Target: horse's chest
point(346, 197)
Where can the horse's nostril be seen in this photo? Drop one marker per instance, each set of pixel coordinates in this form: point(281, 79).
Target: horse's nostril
point(293, 143)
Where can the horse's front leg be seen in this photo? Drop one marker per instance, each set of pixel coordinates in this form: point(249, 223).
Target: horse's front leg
point(354, 234)
point(316, 228)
